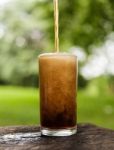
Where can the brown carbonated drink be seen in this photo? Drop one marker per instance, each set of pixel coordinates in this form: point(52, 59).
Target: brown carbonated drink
point(58, 90)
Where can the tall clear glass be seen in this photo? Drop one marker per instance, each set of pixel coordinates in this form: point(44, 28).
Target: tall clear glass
point(58, 91)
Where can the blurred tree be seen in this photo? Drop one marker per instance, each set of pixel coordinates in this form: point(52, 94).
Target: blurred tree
point(82, 23)
point(27, 28)
point(20, 43)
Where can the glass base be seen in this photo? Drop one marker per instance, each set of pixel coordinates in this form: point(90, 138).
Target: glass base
point(58, 132)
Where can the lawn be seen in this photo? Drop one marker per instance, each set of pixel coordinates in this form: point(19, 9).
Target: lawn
point(20, 106)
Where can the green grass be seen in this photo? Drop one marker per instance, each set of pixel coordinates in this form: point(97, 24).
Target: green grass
point(20, 106)
point(96, 108)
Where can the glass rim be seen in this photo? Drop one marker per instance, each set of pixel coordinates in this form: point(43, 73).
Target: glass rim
point(57, 54)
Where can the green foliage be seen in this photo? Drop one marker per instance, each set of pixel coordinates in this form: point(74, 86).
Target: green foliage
point(27, 29)
point(82, 23)
point(19, 46)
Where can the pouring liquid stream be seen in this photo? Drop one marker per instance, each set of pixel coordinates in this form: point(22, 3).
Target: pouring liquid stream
point(56, 21)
